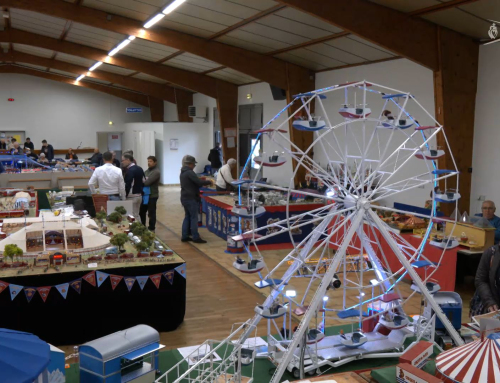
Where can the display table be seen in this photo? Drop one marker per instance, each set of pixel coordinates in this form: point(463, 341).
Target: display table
point(218, 217)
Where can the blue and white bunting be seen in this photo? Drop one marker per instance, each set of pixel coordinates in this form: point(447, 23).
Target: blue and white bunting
point(63, 289)
point(142, 281)
point(181, 270)
point(14, 290)
point(101, 277)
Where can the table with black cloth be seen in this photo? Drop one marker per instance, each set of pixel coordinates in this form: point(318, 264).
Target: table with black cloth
point(96, 311)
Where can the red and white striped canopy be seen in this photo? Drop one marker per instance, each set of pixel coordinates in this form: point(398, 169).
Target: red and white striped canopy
point(475, 362)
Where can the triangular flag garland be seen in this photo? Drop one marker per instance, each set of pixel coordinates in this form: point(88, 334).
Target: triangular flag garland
point(142, 281)
point(101, 277)
point(129, 281)
point(115, 279)
point(156, 279)
point(63, 289)
point(30, 293)
point(77, 285)
point(181, 270)
point(14, 290)
point(169, 275)
point(95, 278)
point(90, 278)
point(44, 292)
point(3, 286)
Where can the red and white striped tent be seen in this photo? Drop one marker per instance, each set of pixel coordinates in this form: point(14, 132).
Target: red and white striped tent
point(475, 362)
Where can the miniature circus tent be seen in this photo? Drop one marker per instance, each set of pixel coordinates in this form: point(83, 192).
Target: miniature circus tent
point(474, 362)
point(23, 357)
point(91, 238)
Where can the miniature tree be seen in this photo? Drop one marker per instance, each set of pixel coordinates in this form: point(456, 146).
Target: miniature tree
point(138, 229)
point(115, 217)
point(121, 210)
point(119, 240)
point(141, 246)
point(11, 251)
point(148, 237)
point(101, 216)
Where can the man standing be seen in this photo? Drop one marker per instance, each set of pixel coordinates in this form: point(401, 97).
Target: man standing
point(96, 159)
point(215, 158)
point(488, 212)
point(29, 144)
point(47, 150)
point(109, 178)
point(116, 162)
point(134, 182)
point(152, 181)
point(190, 199)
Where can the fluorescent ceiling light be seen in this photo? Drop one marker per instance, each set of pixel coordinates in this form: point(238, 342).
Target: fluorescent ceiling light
point(131, 38)
point(123, 44)
point(173, 5)
point(80, 77)
point(113, 52)
point(154, 20)
point(95, 66)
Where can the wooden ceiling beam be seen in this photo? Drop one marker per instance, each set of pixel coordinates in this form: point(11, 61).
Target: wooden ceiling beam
point(161, 92)
point(136, 98)
point(440, 7)
point(185, 79)
point(266, 68)
point(409, 37)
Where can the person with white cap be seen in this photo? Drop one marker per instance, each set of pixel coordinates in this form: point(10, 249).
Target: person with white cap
point(190, 199)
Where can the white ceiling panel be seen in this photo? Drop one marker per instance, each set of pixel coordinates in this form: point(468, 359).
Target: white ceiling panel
point(297, 18)
point(366, 42)
point(224, 76)
point(236, 74)
point(292, 27)
point(293, 58)
point(75, 59)
point(487, 9)
point(191, 25)
point(203, 14)
point(147, 50)
point(318, 59)
point(192, 62)
point(115, 69)
point(263, 31)
point(57, 71)
point(33, 50)
point(358, 48)
point(270, 43)
point(135, 9)
point(96, 80)
point(94, 37)
point(462, 22)
point(32, 66)
point(232, 8)
point(245, 44)
point(147, 77)
point(333, 53)
point(257, 4)
point(37, 23)
point(407, 5)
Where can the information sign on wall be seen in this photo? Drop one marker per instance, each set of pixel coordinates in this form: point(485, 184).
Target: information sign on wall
point(134, 110)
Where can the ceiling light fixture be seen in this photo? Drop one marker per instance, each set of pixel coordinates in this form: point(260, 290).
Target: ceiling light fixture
point(95, 66)
point(173, 5)
point(80, 77)
point(154, 20)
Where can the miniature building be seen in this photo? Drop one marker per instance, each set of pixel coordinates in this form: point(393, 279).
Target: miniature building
point(126, 356)
point(418, 355)
point(406, 373)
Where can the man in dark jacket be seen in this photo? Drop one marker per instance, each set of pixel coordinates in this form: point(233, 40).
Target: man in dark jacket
point(134, 182)
point(215, 158)
point(48, 150)
point(29, 144)
point(152, 180)
point(96, 158)
point(190, 199)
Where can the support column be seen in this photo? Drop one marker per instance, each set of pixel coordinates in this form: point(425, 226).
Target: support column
point(455, 86)
point(184, 99)
point(227, 106)
point(299, 80)
point(156, 109)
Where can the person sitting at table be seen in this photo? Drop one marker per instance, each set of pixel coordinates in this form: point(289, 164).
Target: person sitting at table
point(16, 150)
point(487, 282)
point(47, 150)
point(30, 154)
point(42, 159)
point(70, 155)
point(488, 212)
point(96, 159)
point(224, 176)
point(28, 144)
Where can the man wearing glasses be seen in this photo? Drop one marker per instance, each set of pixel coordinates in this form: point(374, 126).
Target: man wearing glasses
point(488, 212)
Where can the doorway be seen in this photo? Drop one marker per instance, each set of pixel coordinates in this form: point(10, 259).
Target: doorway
point(109, 142)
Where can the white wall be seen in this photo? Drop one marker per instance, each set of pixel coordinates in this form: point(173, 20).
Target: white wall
point(399, 74)
point(486, 150)
point(61, 113)
point(194, 139)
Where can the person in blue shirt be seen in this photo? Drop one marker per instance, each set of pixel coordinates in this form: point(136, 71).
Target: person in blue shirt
point(488, 212)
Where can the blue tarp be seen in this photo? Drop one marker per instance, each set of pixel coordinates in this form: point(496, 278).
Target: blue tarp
point(23, 356)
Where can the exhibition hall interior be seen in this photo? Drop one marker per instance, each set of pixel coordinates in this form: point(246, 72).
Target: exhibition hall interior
point(249, 191)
